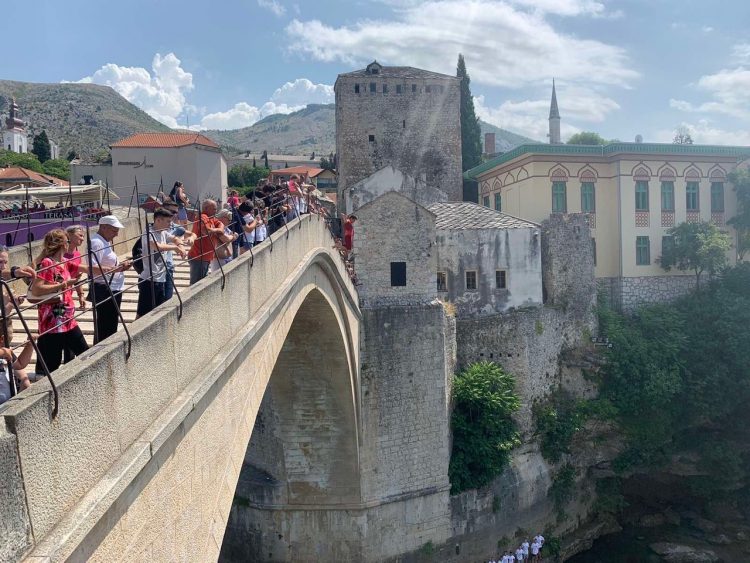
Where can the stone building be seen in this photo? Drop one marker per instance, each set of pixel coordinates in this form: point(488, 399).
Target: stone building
point(404, 117)
point(390, 179)
point(487, 262)
point(631, 194)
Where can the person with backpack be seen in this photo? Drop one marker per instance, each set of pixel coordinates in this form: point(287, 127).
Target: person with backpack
point(107, 271)
point(152, 277)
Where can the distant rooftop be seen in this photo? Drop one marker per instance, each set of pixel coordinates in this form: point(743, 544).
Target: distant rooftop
point(465, 215)
point(24, 175)
point(609, 150)
point(279, 157)
point(164, 140)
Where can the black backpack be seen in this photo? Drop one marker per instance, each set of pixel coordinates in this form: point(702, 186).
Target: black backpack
point(137, 251)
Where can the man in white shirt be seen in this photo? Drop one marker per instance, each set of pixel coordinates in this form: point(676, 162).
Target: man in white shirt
point(153, 279)
point(519, 555)
point(525, 549)
point(107, 271)
point(539, 539)
point(535, 548)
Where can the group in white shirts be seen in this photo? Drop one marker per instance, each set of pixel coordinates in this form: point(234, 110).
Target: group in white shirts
point(526, 552)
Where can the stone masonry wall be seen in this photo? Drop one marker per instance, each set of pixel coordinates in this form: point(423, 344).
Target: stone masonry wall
point(627, 294)
point(418, 133)
point(393, 228)
point(568, 262)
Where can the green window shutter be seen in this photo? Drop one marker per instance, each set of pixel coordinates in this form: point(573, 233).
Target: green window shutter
point(642, 251)
point(559, 197)
point(717, 197)
point(486, 201)
point(498, 202)
point(667, 196)
point(588, 197)
point(691, 196)
point(641, 195)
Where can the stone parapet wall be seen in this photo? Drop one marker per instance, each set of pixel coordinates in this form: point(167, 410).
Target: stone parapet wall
point(627, 294)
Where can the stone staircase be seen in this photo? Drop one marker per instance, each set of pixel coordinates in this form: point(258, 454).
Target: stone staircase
point(86, 321)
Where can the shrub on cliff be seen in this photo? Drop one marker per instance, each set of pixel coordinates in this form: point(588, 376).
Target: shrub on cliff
point(483, 431)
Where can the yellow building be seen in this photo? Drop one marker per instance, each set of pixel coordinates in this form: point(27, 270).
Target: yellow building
point(632, 193)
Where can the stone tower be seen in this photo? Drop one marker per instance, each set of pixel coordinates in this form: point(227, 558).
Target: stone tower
point(403, 117)
point(554, 118)
point(14, 135)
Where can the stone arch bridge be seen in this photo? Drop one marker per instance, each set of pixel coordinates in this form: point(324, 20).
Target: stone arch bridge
point(142, 462)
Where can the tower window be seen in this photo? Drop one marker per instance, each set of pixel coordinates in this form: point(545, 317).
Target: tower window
point(471, 280)
point(398, 274)
point(385, 88)
point(501, 279)
point(371, 138)
point(442, 281)
point(372, 87)
point(356, 88)
point(428, 89)
point(403, 124)
point(413, 88)
point(398, 88)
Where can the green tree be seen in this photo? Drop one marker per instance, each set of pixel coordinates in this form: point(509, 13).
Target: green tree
point(587, 138)
point(700, 247)
point(24, 160)
point(682, 136)
point(103, 157)
point(483, 431)
point(246, 176)
point(471, 133)
point(58, 167)
point(740, 180)
point(326, 163)
point(41, 147)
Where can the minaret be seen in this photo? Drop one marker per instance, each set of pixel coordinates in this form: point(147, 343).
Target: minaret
point(554, 118)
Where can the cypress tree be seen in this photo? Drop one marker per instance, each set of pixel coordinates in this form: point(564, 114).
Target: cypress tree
point(41, 147)
point(471, 133)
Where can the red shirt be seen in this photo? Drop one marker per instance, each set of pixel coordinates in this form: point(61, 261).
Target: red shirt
point(202, 249)
point(56, 317)
point(348, 234)
point(72, 262)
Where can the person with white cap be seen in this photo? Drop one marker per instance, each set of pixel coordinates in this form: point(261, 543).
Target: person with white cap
point(107, 270)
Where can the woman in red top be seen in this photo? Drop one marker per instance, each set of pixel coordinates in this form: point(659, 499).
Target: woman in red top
point(72, 258)
point(58, 328)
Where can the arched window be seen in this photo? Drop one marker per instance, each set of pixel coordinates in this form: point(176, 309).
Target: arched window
point(559, 191)
point(717, 197)
point(641, 195)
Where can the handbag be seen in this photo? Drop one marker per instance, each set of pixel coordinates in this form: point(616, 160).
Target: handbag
point(45, 298)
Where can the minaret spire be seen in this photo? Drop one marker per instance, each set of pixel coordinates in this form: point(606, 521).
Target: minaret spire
point(554, 118)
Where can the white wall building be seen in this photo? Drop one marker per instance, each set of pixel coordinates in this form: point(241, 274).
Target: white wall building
point(151, 158)
point(487, 262)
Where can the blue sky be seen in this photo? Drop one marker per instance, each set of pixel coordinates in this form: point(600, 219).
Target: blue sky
point(622, 67)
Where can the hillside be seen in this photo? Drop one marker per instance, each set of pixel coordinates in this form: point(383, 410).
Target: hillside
point(313, 129)
point(84, 117)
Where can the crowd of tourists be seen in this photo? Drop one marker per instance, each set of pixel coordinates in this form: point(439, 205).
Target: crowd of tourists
point(525, 552)
point(65, 271)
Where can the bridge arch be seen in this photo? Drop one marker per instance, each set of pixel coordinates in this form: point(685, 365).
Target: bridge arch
point(168, 492)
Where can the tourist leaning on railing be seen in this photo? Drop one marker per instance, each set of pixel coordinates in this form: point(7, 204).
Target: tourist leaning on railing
point(111, 273)
point(186, 239)
point(223, 243)
point(153, 279)
point(207, 228)
point(58, 328)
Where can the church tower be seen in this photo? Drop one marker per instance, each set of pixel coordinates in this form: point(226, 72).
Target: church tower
point(14, 135)
point(554, 118)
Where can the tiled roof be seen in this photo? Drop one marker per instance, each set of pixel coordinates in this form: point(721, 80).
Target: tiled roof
point(404, 72)
point(311, 171)
point(610, 150)
point(279, 157)
point(463, 215)
point(24, 175)
point(164, 140)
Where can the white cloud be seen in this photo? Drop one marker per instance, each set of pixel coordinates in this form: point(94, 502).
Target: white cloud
point(529, 117)
point(564, 7)
point(707, 29)
point(302, 92)
point(160, 93)
point(273, 6)
point(741, 53)
point(504, 45)
point(703, 132)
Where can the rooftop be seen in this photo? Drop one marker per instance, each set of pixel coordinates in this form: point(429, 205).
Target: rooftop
point(280, 157)
point(465, 215)
point(164, 140)
point(311, 171)
point(610, 150)
point(403, 72)
point(24, 175)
